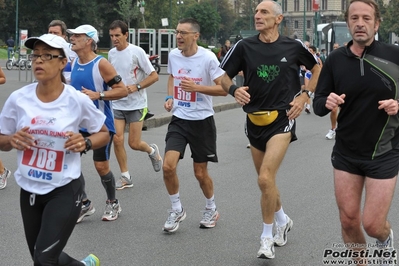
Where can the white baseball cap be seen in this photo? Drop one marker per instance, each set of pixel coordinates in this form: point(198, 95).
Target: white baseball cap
point(85, 29)
point(51, 40)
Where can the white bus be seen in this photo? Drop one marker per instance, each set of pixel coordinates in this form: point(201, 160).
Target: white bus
point(334, 32)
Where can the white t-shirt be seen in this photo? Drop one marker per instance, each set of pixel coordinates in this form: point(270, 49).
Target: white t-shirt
point(203, 68)
point(133, 65)
point(47, 165)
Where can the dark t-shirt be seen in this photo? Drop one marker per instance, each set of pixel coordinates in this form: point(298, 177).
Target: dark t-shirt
point(270, 70)
point(10, 43)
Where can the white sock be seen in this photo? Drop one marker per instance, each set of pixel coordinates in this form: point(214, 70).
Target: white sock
point(280, 217)
point(152, 151)
point(126, 174)
point(267, 231)
point(210, 203)
point(175, 200)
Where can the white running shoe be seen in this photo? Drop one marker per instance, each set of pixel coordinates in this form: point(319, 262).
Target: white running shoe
point(388, 249)
point(112, 211)
point(266, 250)
point(280, 236)
point(173, 221)
point(156, 158)
point(87, 210)
point(330, 134)
point(3, 178)
point(209, 218)
point(123, 182)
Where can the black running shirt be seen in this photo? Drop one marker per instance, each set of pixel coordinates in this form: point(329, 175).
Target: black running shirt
point(270, 70)
point(364, 131)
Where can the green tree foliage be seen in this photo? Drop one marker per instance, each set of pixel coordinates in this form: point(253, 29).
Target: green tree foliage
point(127, 11)
point(216, 17)
point(207, 17)
point(390, 23)
point(228, 18)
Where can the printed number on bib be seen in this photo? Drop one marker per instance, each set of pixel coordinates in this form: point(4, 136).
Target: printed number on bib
point(184, 98)
point(42, 164)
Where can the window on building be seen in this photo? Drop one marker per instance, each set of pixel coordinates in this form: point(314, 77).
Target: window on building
point(309, 5)
point(296, 5)
point(324, 5)
point(308, 24)
point(344, 4)
point(285, 3)
point(296, 24)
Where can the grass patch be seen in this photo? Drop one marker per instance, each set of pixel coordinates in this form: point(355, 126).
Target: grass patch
point(3, 54)
point(105, 54)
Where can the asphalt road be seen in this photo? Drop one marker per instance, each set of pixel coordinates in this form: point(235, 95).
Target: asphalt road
point(304, 179)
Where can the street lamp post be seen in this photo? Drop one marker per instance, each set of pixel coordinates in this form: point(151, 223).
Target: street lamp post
point(141, 5)
point(304, 20)
point(216, 31)
point(16, 25)
point(170, 15)
point(250, 14)
point(282, 22)
point(180, 3)
point(316, 34)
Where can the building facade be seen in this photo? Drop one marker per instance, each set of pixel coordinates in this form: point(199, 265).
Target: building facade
point(301, 20)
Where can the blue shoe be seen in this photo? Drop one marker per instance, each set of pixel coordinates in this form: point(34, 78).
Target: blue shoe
point(91, 260)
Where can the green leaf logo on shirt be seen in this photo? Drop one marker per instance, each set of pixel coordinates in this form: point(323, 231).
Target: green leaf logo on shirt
point(268, 73)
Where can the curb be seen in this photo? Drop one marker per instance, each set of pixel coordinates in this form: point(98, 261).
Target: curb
point(162, 119)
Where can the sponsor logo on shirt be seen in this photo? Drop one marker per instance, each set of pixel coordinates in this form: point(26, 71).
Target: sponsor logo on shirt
point(40, 174)
point(41, 120)
point(268, 73)
point(184, 71)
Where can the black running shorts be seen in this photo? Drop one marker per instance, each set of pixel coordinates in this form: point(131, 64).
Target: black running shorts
point(382, 167)
point(199, 134)
point(258, 136)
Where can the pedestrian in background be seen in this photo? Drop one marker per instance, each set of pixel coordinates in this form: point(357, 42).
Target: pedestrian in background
point(138, 74)
point(41, 121)
point(333, 114)
point(272, 99)
point(225, 48)
point(364, 86)
point(10, 47)
point(194, 77)
point(59, 28)
point(4, 172)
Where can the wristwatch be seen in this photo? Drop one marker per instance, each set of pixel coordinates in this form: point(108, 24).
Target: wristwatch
point(309, 93)
point(88, 145)
point(102, 95)
point(138, 87)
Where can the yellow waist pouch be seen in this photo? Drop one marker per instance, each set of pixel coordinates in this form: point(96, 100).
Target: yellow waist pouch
point(263, 118)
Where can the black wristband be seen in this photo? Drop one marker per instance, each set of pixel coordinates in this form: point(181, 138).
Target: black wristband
point(233, 89)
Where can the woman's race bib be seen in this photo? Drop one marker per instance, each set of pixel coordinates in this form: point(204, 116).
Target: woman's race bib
point(45, 161)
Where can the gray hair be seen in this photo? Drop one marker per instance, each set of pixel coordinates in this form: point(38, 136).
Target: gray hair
point(276, 7)
point(93, 44)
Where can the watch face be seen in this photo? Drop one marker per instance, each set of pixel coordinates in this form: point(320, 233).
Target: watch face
point(118, 79)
